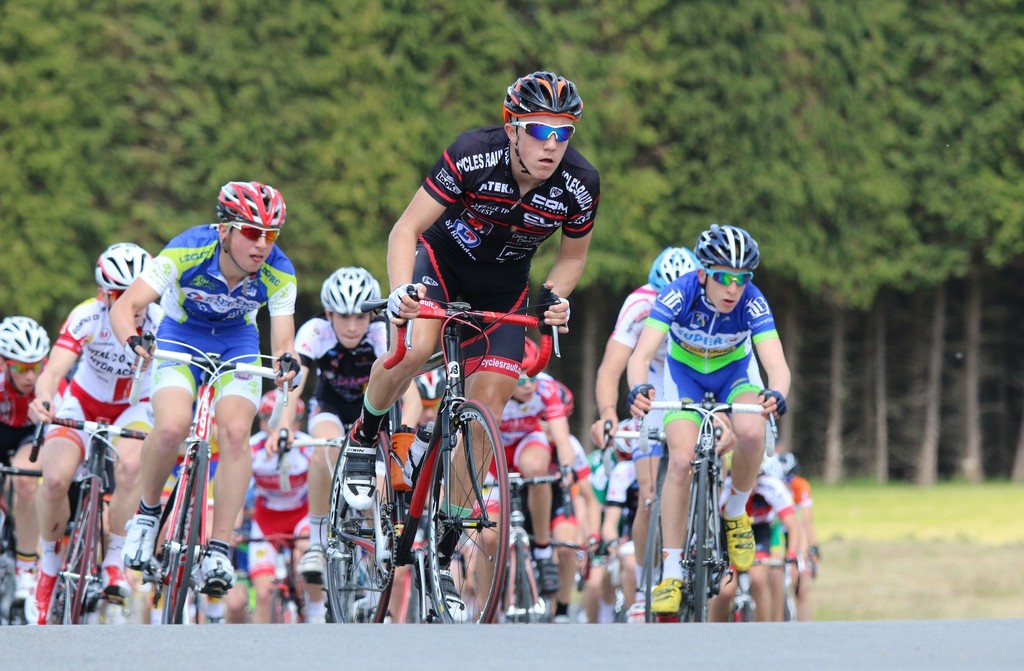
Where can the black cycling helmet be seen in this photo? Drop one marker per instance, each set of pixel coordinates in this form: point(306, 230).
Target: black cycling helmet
point(727, 246)
point(543, 93)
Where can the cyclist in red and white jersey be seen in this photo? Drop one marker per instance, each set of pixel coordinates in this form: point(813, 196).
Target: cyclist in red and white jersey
point(98, 389)
point(279, 512)
point(23, 348)
point(670, 264)
point(212, 281)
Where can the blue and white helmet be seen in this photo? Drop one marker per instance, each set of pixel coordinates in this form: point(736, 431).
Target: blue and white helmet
point(672, 263)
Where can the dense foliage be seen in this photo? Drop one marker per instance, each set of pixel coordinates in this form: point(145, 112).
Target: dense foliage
point(869, 146)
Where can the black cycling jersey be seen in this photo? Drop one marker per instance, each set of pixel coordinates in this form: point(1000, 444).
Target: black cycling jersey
point(487, 219)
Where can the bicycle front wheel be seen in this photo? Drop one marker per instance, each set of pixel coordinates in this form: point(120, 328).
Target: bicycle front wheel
point(470, 513)
point(183, 547)
point(652, 559)
point(699, 553)
point(80, 576)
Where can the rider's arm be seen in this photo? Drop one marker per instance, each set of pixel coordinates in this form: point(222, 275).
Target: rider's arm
point(568, 266)
point(606, 388)
point(593, 508)
point(610, 527)
point(559, 430)
point(122, 313)
point(773, 359)
point(58, 364)
point(639, 365)
point(419, 215)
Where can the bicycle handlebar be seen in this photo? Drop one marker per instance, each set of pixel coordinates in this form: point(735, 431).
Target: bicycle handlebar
point(548, 341)
point(706, 408)
point(148, 340)
point(282, 461)
point(37, 440)
point(89, 427)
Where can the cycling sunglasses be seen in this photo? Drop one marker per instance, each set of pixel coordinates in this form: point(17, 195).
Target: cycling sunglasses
point(22, 368)
point(727, 278)
point(542, 131)
point(254, 233)
point(114, 294)
point(523, 380)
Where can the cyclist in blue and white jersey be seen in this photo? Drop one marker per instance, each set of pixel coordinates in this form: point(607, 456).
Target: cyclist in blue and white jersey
point(470, 232)
point(211, 281)
point(670, 264)
point(715, 319)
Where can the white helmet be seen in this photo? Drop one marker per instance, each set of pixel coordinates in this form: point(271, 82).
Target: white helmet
point(23, 339)
point(120, 264)
point(672, 263)
point(346, 288)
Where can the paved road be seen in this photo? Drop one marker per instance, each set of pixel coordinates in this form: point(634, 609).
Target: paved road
point(876, 646)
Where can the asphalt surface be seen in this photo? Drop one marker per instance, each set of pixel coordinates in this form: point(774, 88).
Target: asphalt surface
point(877, 646)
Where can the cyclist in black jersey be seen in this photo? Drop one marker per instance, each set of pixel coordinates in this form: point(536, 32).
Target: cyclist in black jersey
point(469, 233)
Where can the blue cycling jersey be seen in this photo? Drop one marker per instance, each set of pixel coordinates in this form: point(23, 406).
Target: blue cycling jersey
point(187, 275)
point(702, 338)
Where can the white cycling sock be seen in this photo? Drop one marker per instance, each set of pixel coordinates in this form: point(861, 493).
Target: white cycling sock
point(315, 609)
point(49, 563)
point(736, 504)
point(317, 523)
point(673, 568)
point(114, 551)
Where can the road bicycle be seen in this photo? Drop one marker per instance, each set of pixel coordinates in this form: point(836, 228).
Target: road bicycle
point(287, 602)
point(460, 495)
point(11, 612)
point(744, 608)
point(705, 560)
point(184, 519)
point(651, 572)
point(523, 600)
point(78, 589)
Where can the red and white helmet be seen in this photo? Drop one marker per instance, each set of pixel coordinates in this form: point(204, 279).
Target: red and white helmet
point(251, 203)
point(120, 264)
point(270, 398)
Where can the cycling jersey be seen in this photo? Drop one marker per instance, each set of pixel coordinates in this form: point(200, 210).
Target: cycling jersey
point(487, 219)
point(267, 475)
point(521, 419)
point(545, 380)
point(13, 405)
point(187, 275)
point(801, 490)
point(104, 372)
point(703, 339)
point(769, 500)
point(342, 373)
point(629, 324)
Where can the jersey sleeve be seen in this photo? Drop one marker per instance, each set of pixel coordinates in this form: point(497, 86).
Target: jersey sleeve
point(308, 341)
point(80, 326)
point(378, 337)
point(758, 315)
point(279, 275)
point(444, 182)
point(162, 273)
point(632, 315)
point(553, 407)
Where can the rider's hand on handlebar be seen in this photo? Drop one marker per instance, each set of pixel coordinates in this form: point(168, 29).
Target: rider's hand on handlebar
point(599, 434)
point(273, 437)
point(773, 402)
point(557, 314)
point(139, 346)
point(40, 410)
point(288, 370)
point(639, 399)
point(404, 302)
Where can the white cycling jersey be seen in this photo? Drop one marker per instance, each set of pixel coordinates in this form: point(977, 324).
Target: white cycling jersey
point(267, 475)
point(628, 326)
point(770, 499)
point(622, 478)
point(104, 370)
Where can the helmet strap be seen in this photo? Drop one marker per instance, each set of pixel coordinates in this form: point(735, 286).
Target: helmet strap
point(518, 157)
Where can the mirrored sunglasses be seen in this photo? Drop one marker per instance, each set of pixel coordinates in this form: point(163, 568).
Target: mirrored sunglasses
point(542, 131)
point(22, 368)
point(254, 233)
point(727, 278)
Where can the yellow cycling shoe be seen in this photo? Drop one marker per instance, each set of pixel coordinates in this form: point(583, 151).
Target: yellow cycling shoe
point(740, 538)
point(668, 596)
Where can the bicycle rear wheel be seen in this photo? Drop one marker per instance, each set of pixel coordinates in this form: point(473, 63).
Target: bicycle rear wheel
point(183, 546)
point(358, 585)
point(79, 577)
point(470, 514)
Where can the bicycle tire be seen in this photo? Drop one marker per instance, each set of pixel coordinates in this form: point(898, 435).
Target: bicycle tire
point(80, 560)
point(652, 572)
point(356, 584)
point(698, 543)
point(280, 612)
point(482, 527)
point(184, 548)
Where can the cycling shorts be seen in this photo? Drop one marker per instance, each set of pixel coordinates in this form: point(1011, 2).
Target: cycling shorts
point(239, 343)
point(494, 287)
point(685, 384)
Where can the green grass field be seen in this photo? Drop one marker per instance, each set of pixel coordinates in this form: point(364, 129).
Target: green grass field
point(953, 551)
